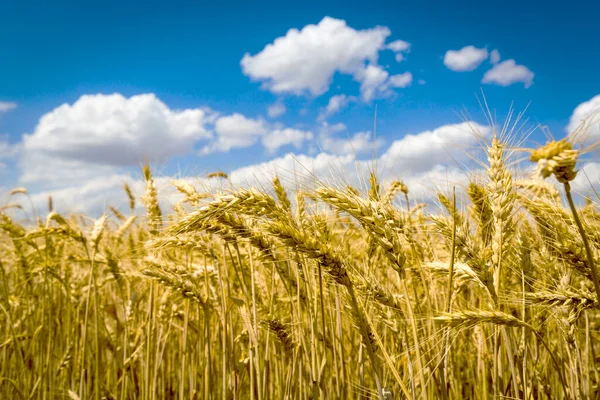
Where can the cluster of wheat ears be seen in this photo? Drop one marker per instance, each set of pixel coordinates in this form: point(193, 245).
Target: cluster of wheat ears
point(331, 292)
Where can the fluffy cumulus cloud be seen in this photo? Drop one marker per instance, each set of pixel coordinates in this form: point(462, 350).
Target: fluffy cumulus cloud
point(48, 171)
point(424, 186)
point(305, 172)
point(6, 106)
point(420, 152)
point(103, 134)
point(358, 143)
point(588, 178)
point(508, 72)
point(277, 138)
point(426, 161)
point(236, 130)
point(466, 59)
point(372, 79)
point(91, 197)
point(115, 130)
point(587, 112)
point(297, 171)
point(375, 81)
point(305, 61)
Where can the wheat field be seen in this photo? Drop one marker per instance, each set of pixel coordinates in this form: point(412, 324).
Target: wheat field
point(311, 293)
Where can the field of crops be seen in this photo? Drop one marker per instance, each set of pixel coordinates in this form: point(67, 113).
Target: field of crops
point(311, 292)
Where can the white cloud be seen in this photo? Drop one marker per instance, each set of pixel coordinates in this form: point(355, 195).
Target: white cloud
point(399, 47)
point(296, 170)
point(237, 131)
point(7, 151)
point(89, 197)
point(401, 80)
point(590, 112)
point(277, 109)
point(100, 135)
point(508, 72)
point(375, 81)
point(425, 161)
point(587, 178)
point(234, 131)
point(372, 79)
point(335, 104)
point(278, 138)
point(359, 143)
point(420, 152)
point(424, 186)
point(306, 60)
point(6, 106)
point(94, 196)
point(335, 139)
point(327, 129)
point(305, 172)
point(494, 56)
point(48, 171)
point(115, 130)
point(466, 59)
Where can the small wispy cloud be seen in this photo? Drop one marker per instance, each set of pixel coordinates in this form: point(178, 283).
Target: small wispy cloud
point(277, 109)
point(7, 106)
point(399, 47)
point(494, 56)
point(8, 150)
point(336, 103)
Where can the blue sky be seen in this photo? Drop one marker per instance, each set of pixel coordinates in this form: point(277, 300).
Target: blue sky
point(189, 56)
